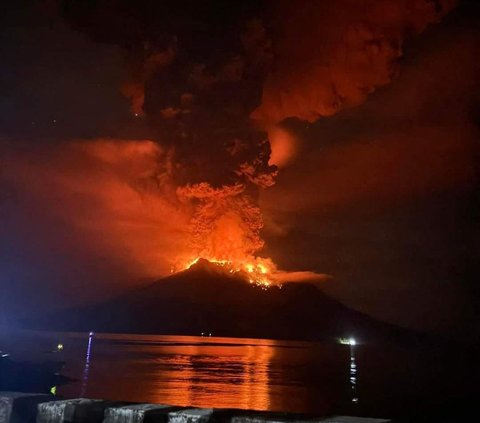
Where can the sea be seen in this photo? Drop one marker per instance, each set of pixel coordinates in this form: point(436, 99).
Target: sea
point(348, 377)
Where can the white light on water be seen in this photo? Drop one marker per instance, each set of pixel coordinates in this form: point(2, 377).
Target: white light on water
point(347, 341)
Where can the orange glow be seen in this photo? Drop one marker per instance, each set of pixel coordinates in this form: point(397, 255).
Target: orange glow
point(141, 218)
point(225, 230)
point(331, 55)
point(188, 374)
point(142, 222)
point(117, 200)
point(284, 146)
point(257, 271)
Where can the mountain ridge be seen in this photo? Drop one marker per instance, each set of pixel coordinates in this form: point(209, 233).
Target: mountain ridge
point(208, 298)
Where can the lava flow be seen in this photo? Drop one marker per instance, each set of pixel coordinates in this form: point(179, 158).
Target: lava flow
point(258, 271)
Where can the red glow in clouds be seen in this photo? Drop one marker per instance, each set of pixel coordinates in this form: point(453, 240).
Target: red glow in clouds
point(119, 198)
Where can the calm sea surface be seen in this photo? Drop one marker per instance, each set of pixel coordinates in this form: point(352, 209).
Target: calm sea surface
point(305, 377)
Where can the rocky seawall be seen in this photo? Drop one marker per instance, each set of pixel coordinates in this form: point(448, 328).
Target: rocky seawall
point(18, 407)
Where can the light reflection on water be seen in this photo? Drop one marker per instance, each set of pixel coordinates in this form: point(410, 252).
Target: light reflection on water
point(207, 372)
point(237, 376)
point(318, 378)
point(86, 369)
point(353, 374)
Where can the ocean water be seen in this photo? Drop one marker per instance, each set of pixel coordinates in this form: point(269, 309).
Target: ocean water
point(304, 377)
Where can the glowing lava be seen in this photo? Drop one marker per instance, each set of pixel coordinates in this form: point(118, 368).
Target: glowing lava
point(257, 271)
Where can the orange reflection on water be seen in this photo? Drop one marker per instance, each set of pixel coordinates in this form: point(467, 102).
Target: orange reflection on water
point(218, 372)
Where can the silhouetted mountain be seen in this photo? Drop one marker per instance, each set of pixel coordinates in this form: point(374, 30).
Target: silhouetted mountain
point(206, 298)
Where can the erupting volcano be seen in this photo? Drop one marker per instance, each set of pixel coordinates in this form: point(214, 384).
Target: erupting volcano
point(214, 108)
point(257, 272)
point(225, 230)
point(218, 299)
point(219, 115)
point(219, 154)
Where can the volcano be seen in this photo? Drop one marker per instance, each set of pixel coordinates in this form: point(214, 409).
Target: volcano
point(207, 299)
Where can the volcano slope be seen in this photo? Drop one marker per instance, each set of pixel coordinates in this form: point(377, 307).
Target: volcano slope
point(208, 299)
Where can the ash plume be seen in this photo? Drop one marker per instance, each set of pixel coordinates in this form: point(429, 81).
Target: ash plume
point(331, 55)
point(213, 84)
point(197, 93)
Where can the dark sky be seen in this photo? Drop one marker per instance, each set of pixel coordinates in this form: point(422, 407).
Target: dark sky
point(383, 196)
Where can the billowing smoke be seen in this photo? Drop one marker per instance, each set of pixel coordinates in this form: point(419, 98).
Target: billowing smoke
point(221, 160)
point(215, 85)
point(331, 55)
point(200, 110)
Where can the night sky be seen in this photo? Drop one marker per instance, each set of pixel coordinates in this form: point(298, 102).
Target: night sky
point(380, 192)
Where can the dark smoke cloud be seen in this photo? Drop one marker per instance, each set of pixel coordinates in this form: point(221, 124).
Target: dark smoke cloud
point(199, 77)
point(196, 77)
point(332, 55)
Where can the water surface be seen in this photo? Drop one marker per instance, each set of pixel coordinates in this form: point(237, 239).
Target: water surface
point(305, 377)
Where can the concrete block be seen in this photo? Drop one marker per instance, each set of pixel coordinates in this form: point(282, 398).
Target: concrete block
point(18, 407)
point(78, 410)
point(191, 415)
point(138, 413)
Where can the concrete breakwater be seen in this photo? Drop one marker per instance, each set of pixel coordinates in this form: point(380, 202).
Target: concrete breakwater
point(18, 407)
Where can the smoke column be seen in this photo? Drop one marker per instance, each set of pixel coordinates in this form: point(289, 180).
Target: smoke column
point(213, 83)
